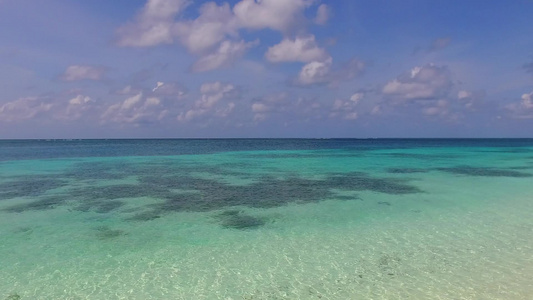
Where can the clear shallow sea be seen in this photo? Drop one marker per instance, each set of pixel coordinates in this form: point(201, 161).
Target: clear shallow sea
point(266, 219)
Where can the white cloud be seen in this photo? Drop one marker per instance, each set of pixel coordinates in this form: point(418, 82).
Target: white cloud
point(46, 107)
point(76, 108)
point(463, 95)
point(80, 100)
point(158, 85)
point(275, 103)
point(226, 54)
point(280, 15)
point(209, 101)
point(323, 14)
point(24, 109)
point(439, 108)
point(152, 101)
point(527, 100)
point(153, 26)
point(315, 72)
point(468, 99)
point(211, 27)
point(212, 93)
point(225, 111)
point(346, 109)
point(376, 110)
point(351, 116)
point(214, 35)
point(216, 88)
point(171, 90)
point(524, 108)
point(357, 97)
point(260, 108)
point(131, 102)
point(427, 82)
point(322, 72)
point(79, 72)
point(302, 49)
point(136, 109)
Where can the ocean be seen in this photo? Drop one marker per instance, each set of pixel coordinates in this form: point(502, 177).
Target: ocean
point(266, 219)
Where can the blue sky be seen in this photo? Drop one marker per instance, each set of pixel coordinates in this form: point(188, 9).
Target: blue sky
point(265, 68)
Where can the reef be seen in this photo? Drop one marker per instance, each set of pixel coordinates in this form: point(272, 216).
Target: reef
point(406, 170)
point(188, 187)
point(484, 171)
point(235, 219)
point(28, 186)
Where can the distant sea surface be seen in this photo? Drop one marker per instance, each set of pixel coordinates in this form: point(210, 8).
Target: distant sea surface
point(266, 219)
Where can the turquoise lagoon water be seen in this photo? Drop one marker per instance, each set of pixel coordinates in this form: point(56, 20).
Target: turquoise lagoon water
point(266, 219)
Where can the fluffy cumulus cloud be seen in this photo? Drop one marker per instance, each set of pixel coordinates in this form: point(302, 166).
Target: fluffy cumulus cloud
point(280, 15)
point(144, 106)
point(428, 89)
point(302, 49)
point(76, 108)
point(470, 100)
point(263, 107)
point(214, 35)
point(315, 72)
point(437, 108)
point(56, 107)
point(80, 72)
point(323, 72)
point(428, 82)
point(524, 108)
point(225, 55)
point(211, 102)
point(169, 90)
point(24, 109)
point(153, 25)
point(214, 24)
point(323, 14)
point(137, 109)
point(346, 109)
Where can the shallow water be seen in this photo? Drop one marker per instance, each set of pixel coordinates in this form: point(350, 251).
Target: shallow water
point(266, 219)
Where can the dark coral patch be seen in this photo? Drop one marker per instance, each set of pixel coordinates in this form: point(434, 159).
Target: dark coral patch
point(179, 188)
point(235, 219)
point(100, 171)
point(484, 171)
point(346, 197)
point(208, 195)
point(28, 186)
point(357, 181)
point(511, 150)
point(116, 192)
point(422, 156)
point(306, 155)
point(406, 170)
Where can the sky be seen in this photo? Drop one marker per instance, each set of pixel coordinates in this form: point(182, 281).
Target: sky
point(266, 68)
